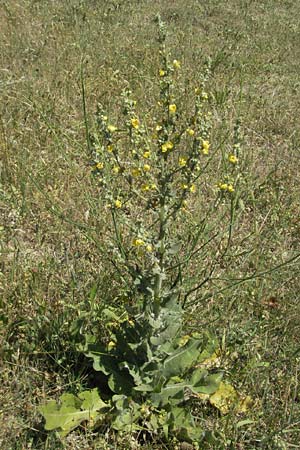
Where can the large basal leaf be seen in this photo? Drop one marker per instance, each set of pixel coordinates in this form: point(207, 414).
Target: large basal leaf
point(72, 411)
point(121, 382)
point(91, 400)
point(184, 426)
point(209, 385)
point(174, 392)
point(170, 391)
point(126, 414)
point(182, 359)
point(102, 360)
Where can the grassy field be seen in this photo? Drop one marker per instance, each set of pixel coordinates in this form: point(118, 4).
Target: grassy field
point(53, 228)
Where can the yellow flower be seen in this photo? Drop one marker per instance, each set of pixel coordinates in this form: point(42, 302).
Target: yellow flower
point(111, 128)
point(167, 146)
point(109, 148)
point(232, 159)
point(230, 188)
point(137, 242)
point(118, 203)
point(158, 128)
point(146, 167)
point(182, 161)
point(145, 187)
point(111, 345)
point(162, 73)
point(99, 165)
point(104, 118)
point(204, 95)
point(223, 186)
point(172, 108)
point(135, 123)
point(184, 340)
point(149, 248)
point(190, 131)
point(184, 186)
point(116, 169)
point(147, 154)
point(135, 172)
point(205, 147)
point(192, 188)
point(176, 64)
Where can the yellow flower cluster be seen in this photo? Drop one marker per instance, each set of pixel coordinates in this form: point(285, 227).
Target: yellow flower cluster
point(226, 187)
point(232, 159)
point(182, 161)
point(136, 172)
point(167, 146)
point(205, 147)
point(172, 108)
point(135, 123)
point(99, 165)
point(149, 187)
point(138, 242)
point(111, 128)
point(176, 64)
point(190, 131)
point(147, 154)
point(191, 188)
point(118, 203)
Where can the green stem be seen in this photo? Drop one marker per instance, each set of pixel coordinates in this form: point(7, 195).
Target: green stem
point(160, 266)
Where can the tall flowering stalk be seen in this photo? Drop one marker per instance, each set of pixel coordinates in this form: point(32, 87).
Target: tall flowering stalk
point(147, 172)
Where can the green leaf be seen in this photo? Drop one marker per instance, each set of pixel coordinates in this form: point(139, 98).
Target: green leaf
point(182, 359)
point(242, 423)
point(170, 391)
point(72, 411)
point(121, 382)
point(126, 414)
point(199, 382)
point(144, 388)
point(102, 360)
point(184, 426)
point(210, 384)
point(91, 400)
point(167, 325)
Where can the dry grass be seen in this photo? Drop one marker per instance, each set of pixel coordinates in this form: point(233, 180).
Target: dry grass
point(52, 225)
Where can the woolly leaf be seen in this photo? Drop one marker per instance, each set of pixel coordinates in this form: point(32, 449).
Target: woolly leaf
point(182, 359)
point(72, 411)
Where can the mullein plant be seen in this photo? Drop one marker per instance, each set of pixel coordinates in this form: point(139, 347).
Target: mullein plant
point(147, 173)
